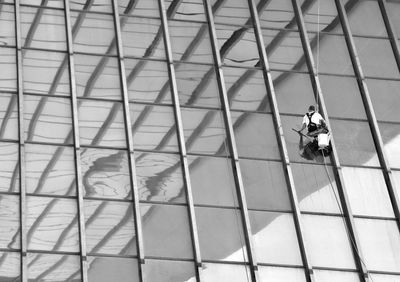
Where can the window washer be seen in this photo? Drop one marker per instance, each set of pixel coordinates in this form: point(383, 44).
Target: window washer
point(316, 125)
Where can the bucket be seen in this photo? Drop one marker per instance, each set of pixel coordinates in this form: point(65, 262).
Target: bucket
point(323, 140)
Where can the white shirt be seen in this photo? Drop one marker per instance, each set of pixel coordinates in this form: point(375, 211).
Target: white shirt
point(316, 118)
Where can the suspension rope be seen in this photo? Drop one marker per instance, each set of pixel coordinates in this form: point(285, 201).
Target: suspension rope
point(317, 66)
point(235, 205)
point(343, 219)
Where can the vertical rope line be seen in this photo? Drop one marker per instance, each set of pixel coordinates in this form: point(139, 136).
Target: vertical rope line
point(318, 24)
point(236, 205)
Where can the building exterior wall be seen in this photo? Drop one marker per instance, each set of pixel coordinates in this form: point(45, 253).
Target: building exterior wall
point(151, 140)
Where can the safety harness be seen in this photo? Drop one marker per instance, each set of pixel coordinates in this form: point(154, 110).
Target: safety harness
point(312, 126)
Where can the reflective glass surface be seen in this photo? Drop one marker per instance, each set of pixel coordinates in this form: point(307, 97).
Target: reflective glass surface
point(212, 181)
point(97, 77)
point(275, 238)
point(380, 243)
point(213, 226)
point(328, 241)
point(187, 10)
point(45, 72)
point(105, 173)
point(276, 274)
point(8, 116)
point(277, 14)
point(265, 185)
point(115, 237)
point(104, 269)
point(49, 267)
point(336, 276)
point(9, 214)
point(10, 269)
point(50, 170)
point(8, 73)
point(153, 128)
point(166, 231)
point(391, 139)
point(7, 25)
point(165, 270)
point(146, 8)
point(43, 28)
point(9, 171)
point(159, 177)
point(94, 6)
point(52, 224)
point(231, 272)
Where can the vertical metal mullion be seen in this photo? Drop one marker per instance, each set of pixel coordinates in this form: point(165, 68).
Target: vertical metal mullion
point(232, 145)
point(347, 212)
point(282, 143)
point(391, 31)
point(77, 149)
point(21, 145)
point(181, 141)
point(131, 153)
point(369, 109)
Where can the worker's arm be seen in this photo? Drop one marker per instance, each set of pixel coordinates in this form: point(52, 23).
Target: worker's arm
point(303, 127)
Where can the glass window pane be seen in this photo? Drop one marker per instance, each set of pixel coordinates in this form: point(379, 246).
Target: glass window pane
point(105, 269)
point(166, 231)
point(231, 12)
point(367, 191)
point(109, 227)
point(396, 177)
point(138, 74)
point(197, 85)
point(376, 56)
point(8, 72)
point(214, 272)
point(191, 10)
point(51, 3)
point(159, 177)
point(47, 119)
point(50, 170)
point(336, 276)
point(142, 37)
point(337, 89)
point(321, 16)
point(45, 72)
point(391, 140)
point(283, 54)
point(331, 54)
point(233, 40)
point(97, 77)
point(275, 238)
point(43, 28)
point(255, 136)
point(290, 88)
point(105, 173)
point(366, 19)
point(9, 170)
point(101, 123)
point(214, 224)
point(354, 142)
point(394, 14)
point(279, 274)
point(93, 33)
point(8, 116)
point(316, 191)
point(265, 185)
point(52, 224)
point(277, 14)
point(145, 8)
point(246, 89)
point(104, 6)
point(10, 267)
point(49, 267)
point(328, 242)
point(380, 243)
point(385, 98)
point(190, 41)
point(9, 221)
point(7, 25)
point(204, 131)
point(385, 278)
point(153, 127)
point(167, 271)
point(212, 181)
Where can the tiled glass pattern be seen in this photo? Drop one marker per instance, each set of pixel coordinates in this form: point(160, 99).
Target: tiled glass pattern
point(151, 140)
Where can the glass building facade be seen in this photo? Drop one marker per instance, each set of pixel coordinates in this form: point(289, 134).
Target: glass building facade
point(151, 140)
